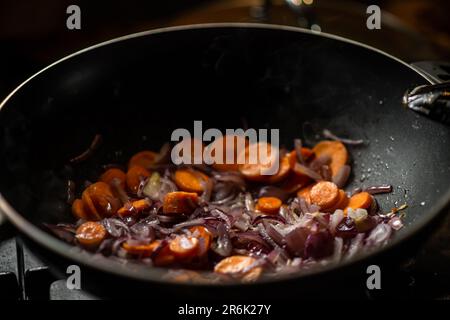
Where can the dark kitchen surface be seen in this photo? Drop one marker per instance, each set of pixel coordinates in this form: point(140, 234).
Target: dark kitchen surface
point(34, 35)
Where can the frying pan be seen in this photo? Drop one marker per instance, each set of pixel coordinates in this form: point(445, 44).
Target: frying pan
point(137, 89)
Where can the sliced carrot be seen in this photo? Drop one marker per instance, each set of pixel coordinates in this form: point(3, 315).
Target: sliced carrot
point(239, 143)
point(204, 237)
point(269, 205)
point(164, 257)
point(114, 174)
point(135, 176)
point(79, 210)
point(135, 207)
point(143, 159)
point(305, 193)
point(341, 203)
point(336, 150)
point(324, 194)
point(184, 247)
point(236, 266)
point(180, 202)
point(90, 234)
point(100, 200)
point(258, 169)
point(362, 200)
point(190, 180)
point(283, 171)
point(144, 250)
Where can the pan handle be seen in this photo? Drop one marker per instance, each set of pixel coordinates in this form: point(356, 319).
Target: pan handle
point(432, 100)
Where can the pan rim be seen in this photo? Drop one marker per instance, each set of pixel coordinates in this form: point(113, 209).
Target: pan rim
point(152, 274)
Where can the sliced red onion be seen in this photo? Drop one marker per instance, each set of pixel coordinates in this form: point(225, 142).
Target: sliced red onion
point(325, 172)
point(242, 238)
point(287, 213)
point(274, 218)
point(379, 235)
point(117, 244)
point(142, 231)
point(275, 235)
point(329, 135)
point(341, 178)
point(385, 188)
point(338, 249)
point(346, 228)
point(335, 219)
point(164, 154)
point(272, 191)
point(222, 246)
point(88, 152)
point(233, 178)
point(319, 245)
point(396, 223)
point(219, 213)
point(172, 218)
point(63, 232)
point(355, 246)
point(189, 223)
point(207, 186)
point(167, 186)
point(318, 162)
point(307, 171)
point(298, 150)
point(296, 239)
point(249, 203)
point(120, 192)
point(263, 232)
point(115, 227)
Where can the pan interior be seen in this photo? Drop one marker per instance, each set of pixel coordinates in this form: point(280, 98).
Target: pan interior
point(137, 91)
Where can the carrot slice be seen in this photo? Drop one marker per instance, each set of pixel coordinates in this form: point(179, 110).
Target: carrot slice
point(336, 150)
point(143, 159)
point(283, 171)
point(135, 176)
point(342, 201)
point(136, 207)
point(100, 201)
point(237, 265)
point(324, 194)
point(305, 193)
point(164, 257)
point(180, 202)
point(90, 234)
point(204, 237)
point(269, 205)
point(109, 175)
point(265, 161)
point(239, 143)
point(361, 200)
point(184, 247)
point(190, 180)
point(144, 250)
point(79, 210)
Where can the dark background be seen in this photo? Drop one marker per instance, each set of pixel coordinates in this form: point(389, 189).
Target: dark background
point(34, 34)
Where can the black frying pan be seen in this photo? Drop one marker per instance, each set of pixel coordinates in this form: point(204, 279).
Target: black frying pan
point(135, 90)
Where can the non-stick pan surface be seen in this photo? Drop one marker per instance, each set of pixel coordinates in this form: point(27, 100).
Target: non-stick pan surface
point(135, 90)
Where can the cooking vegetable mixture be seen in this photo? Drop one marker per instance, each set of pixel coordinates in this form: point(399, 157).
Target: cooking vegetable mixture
point(228, 218)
